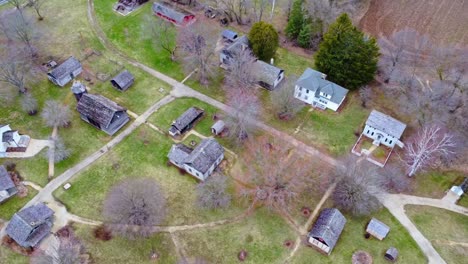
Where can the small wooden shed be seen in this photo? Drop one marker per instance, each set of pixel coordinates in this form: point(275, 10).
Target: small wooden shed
point(377, 229)
point(123, 80)
point(218, 127)
point(391, 254)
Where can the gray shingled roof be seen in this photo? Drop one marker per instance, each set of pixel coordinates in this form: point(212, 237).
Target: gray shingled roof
point(67, 67)
point(123, 79)
point(218, 126)
point(27, 227)
point(8, 135)
point(186, 118)
point(5, 179)
point(205, 155)
point(385, 123)
point(313, 80)
point(237, 44)
point(266, 72)
point(377, 227)
point(170, 11)
point(98, 108)
point(78, 87)
point(328, 226)
point(179, 153)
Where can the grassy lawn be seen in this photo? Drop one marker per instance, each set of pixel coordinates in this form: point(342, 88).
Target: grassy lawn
point(119, 250)
point(261, 235)
point(142, 154)
point(447, 231)
point(352, 239)
point(163, 117)
point(291, 63)
point(11, 206)
point(9, 257)
point(434, 184)
point(327, 130)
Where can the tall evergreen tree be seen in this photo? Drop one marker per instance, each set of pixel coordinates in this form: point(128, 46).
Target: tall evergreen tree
point(296, 20)
point(346, 55)
point(264, 40)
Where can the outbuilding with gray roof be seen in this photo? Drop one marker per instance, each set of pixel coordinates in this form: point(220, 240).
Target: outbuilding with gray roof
point(65, 72)
point(327, 230)
point(384, 129)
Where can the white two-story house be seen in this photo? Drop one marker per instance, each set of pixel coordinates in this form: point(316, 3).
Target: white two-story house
point(384, 129)
point(312, 88)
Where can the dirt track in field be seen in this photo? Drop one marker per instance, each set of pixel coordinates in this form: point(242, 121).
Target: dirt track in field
point(445, 21)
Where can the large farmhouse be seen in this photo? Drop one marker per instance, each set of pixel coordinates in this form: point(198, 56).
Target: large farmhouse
point(102, 113)
point(327, 230)
point(199, 162)
point(29, 226)
point(313, 89)
point(65, 72)
point(173, 14)
point(384, 129)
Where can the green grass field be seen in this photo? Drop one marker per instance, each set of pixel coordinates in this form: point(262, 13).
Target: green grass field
point(11, 206)
point(447, 231)
point(434, 184)
point(352, 239)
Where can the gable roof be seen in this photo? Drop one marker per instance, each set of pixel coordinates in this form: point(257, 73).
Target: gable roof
point(218, 126)
point(266, 72)
point(378, 228)
point(123, 79)
point(24, 222)
point(179, 153)
point(238, 44)
point(329, 226)
point(98, 108)
point(8, 135)
point(186, 118)
point(5, 179)
point(385, 123)
point(78, 87)
point(315, 81)
point(205, 155)
point(229, 34)
point(170, 11)
point(64, 69)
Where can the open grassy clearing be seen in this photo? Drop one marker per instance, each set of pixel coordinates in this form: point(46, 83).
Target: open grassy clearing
point(9, 257)
point(143, 154)
point(9, 208)
point(352, 239)
point(435, 184)
point(119, 250)
point(447, 231)
point(170, 112)
point(291, 63)
point(262, 235)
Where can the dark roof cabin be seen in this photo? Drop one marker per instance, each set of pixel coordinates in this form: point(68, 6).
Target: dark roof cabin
point(173, 14)
point(327, 230)
point(7, 186)
point(124, 7)
point(65, 72)
point(123, 80)
point(186, 121)
point(102, 113)
point(377, 229)
point(268, 76)
point(29, 226)
point(391, 254)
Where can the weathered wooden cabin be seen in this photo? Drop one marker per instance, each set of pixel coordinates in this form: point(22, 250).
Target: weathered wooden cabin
point(65, 72)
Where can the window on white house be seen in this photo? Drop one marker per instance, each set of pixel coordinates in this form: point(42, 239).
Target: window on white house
point(307, 91)
point(300, 94)
point(306, 97)
point(390, 142)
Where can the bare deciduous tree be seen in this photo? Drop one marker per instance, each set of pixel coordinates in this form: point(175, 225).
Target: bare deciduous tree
point(14, 71)
point(212, 193)
point(134, 207)
point(356, 188)
point(429, 145)
point(59, 152)
point(22, 28)
point(275, 174)
point(393, 179)
point(55, 114)
point(240, 72)
point(246, 108)
point(234, 9)
point(197, 47)
point(161, 33)
point(365, 93)
point(283, 100)
point(258, 8)
point(29, 104)
point(37, 5)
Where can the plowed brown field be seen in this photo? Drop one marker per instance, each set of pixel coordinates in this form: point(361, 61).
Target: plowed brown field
point(445, 21)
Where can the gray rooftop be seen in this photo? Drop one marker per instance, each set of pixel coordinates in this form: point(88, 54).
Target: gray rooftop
point(179, 153)
point(328, 226)
point(218, 126)
point(64, 69)
point(78, 87)
point(229, 34)
point(186, 118)
point(205, 155)
point(385, 123)
point(28, 227)
point(237, 45)
point(98, 108)
point(378, 228)
point(266, 72)
point(123, 79)
point(5, 179)
point(170, 11)
point(314, 81)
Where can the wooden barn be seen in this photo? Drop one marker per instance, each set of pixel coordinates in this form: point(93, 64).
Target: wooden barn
point(186, 121)
point(173, 14)
point(102, 113)
point(327, 230)
point(123, 80)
